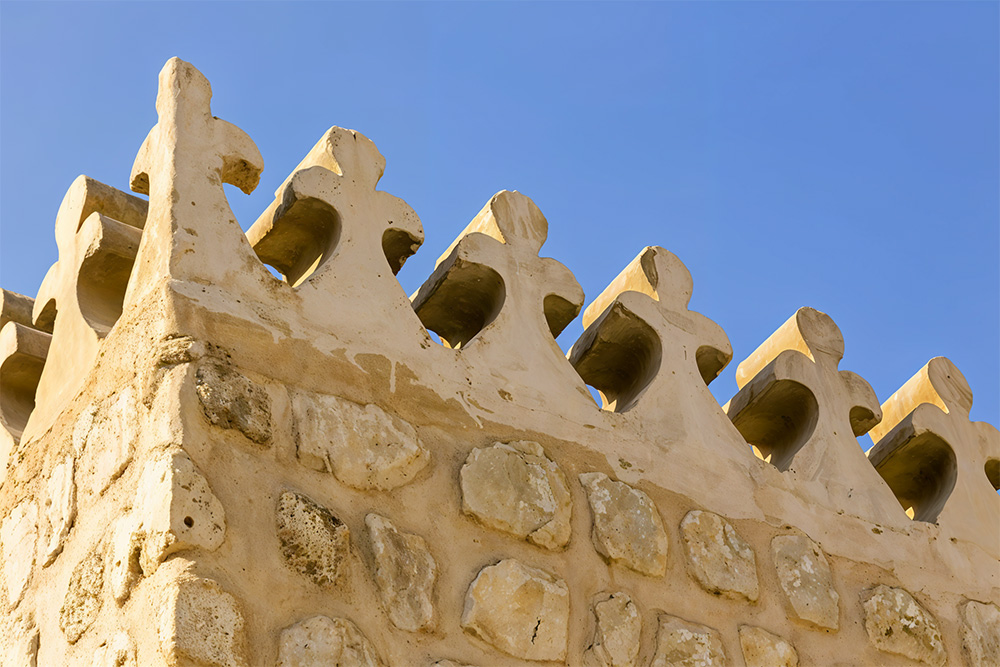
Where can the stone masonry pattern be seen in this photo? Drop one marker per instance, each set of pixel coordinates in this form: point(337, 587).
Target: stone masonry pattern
point(229, 449)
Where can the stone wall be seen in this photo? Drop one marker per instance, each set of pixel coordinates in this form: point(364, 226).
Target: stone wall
point(208, 465)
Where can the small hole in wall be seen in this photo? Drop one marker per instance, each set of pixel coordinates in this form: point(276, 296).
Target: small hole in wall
point(188, 521)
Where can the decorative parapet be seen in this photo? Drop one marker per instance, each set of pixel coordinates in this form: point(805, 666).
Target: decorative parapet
point(207, 464)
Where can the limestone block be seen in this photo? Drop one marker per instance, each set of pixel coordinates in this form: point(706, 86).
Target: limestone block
point(980, 634)
point(720, 560)
point(763, 649)
point(616, 638)
point(805, 577)
point(363, 446)
point(122, 567)
point(230, 400)
point(119, 651)
point(111, 440)
point(320, 642)
point(199, 623)
point(896, 623)
point(520, 610)
point(83, 597)
point(627, 526)
point(59, 510)
point(81, 428)
point(19, 644)
point(405, 573)
point(314, 542)
point(18, 536)
point(177, 509)
point(683, 644)
point(513, 487)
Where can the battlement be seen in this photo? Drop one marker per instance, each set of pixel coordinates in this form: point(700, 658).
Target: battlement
point(206, 464)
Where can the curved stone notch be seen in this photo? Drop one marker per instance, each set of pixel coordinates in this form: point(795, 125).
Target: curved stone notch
point(492, 279)
point(935, 459)
point(640, 326)
point(330, 202)
point(801, 413)
point(643, 350)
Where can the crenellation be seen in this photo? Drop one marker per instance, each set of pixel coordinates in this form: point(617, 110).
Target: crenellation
point(936, 461)
point(23, 351)
point(243, 469)
point(98, 229)
point(803, 415)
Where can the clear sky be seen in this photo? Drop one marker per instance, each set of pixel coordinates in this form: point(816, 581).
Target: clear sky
point(839, 155)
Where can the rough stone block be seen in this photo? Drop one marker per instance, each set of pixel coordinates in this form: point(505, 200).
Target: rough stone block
point(627, 526)
point(763, 649)
point(110, 440)
point(980, 634)
point(18, 536)
point(720, 560)
point(363, 446)
point(896, 623)
point(177, 509)
point(19, 642)
point(805, 578)
point(683, 644)
point(58, 511)
point(616, 637)
point(199, 623)
point(514, 488)
point(320, 642)
point(81, 428)
point(315, 543)
point(230, 400)
point(520, 610)
point(123, 568)
point(405, 573)
point(83, 597)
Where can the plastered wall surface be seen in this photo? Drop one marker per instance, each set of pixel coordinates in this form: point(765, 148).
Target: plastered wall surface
point(209, 465)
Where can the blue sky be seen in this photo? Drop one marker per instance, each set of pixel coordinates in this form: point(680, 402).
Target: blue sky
point(844, 156)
